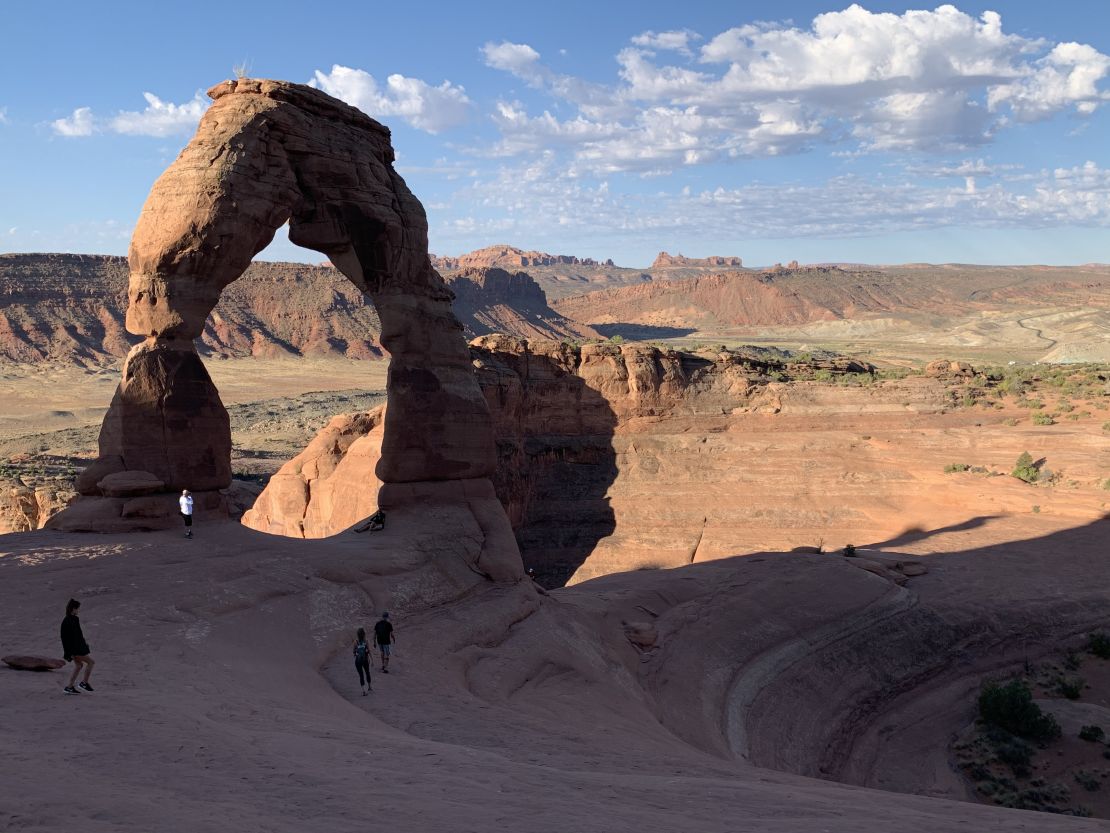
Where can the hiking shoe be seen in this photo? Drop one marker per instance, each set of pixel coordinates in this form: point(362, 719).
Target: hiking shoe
point(85, 687)
point(69, 690)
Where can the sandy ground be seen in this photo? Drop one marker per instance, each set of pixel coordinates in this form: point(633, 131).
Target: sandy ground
point(226, 698)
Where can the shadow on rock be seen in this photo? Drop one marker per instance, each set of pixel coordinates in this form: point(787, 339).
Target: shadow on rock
point(555, 452)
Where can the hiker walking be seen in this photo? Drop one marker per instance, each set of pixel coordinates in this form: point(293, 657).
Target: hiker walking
point(74, 647)
point(383, 635)
point(362, 661)
point(186, 503)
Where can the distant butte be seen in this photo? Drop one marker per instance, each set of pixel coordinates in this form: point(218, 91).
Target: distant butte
point(665, 261)
point(509, 257)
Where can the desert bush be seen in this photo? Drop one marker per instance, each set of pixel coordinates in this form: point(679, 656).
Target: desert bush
point(1098, 643)
point(1012, 751)
point(1011, 422)
point(1095, 734)
point(1106, 427)
point(1024, 469)
point(823, 375)
point(1043, 419)
point(955, 467)
point(1011, 707)
point(849, 550)
point(1070, 688)
point(1088, 780)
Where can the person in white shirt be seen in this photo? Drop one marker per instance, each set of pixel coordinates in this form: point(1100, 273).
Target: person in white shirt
point(186, 503)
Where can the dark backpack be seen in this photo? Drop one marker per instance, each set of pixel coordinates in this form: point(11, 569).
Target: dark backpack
point(361, 651)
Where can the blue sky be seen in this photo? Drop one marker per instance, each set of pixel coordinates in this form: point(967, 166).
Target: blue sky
point(774, 131)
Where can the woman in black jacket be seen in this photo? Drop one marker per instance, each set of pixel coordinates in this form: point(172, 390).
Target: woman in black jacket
point(76, 648)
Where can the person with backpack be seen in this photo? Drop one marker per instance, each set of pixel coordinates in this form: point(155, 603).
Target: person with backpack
point(74, 647)
point(362, 661)
point(383, 635)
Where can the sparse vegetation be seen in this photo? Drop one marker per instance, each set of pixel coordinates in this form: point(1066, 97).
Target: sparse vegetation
point(951, 468)
point(1011, 707)
point(849, 550)
point(1095, 734)
point(1098, 643)
point(1070, 687)
point(1025, 469)
point(1043, 419)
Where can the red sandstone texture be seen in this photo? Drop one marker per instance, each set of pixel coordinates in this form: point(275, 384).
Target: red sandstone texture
point(490, 300)
point(509, 257)
point(666, 261)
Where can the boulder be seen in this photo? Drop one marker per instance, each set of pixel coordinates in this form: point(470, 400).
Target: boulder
point(130, 484)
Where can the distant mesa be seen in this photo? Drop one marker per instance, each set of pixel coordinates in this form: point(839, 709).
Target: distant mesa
point(509, 257)
point(491, 300)
point(666, 261)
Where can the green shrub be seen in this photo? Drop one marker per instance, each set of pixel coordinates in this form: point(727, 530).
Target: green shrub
point(1011, 707)
point(1106, 426)
point(1043, 419)
point(1024, 468)
point(1070, 688)
point(955, 467)
point(850, 550)
point(1098, 643)
point(1012, 751)
point(1011, 422)
point(1095, 734)
point(1088, 780)
point(1036, 509)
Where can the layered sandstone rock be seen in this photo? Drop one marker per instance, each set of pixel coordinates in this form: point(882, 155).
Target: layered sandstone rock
point(668, 261)
point(67, 308)
point(329, 486)
point(510, 257)
point(575, 428)
point(23, 508)
point(491, 300)
point(268, 153)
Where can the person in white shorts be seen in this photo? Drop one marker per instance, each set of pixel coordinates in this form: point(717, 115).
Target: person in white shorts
point(186, 503)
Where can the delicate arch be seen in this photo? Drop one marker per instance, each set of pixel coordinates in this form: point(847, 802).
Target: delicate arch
point(267, 153)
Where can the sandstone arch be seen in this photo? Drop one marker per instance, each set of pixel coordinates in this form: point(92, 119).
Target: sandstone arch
point(266, 153)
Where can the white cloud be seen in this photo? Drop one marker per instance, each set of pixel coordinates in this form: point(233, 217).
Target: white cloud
point(1068, 75)
point(518, 58)
point(938, 80)
point(428, 108)
point(78, 124)
point(3, 115)
point(527, 199)
point(160, 118)
point(676, 40)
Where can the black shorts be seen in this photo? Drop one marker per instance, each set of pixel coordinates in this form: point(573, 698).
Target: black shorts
point(187, 518)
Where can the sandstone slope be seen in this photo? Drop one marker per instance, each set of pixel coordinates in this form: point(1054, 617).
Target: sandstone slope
point(653, 701)
point(491, 300)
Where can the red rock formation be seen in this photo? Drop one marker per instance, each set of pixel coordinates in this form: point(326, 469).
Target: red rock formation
point(509, 257)
point(267, 153)
point(491, 300)
point(668, 261)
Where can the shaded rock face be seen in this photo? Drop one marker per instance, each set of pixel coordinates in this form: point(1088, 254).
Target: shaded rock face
point(582, 433)
point(491, 300)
